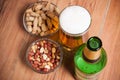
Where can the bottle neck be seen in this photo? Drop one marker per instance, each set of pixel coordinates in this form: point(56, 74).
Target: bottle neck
point(91, 56)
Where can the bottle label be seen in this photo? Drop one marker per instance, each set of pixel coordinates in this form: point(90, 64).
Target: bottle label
point(82, 76)
point(92, 55)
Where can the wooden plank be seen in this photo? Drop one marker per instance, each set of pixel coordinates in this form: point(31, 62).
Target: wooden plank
point(14, 40)
point(110, 37)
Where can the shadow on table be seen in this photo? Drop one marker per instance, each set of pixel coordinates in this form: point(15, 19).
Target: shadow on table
point(27, 39)
point(21, 13)
point(23, 49)
point(68, 61)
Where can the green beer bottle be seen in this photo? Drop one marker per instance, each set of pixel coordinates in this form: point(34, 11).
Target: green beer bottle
point(90, 59)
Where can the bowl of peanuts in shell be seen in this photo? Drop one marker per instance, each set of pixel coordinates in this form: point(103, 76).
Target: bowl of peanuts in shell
point(44, 56)
point(41, 18)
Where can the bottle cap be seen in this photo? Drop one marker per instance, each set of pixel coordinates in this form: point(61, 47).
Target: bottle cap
point(94, 43)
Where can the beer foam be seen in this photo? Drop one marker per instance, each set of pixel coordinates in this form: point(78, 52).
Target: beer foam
point(75, 20)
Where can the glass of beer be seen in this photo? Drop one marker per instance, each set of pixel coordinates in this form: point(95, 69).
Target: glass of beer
point(74, 22)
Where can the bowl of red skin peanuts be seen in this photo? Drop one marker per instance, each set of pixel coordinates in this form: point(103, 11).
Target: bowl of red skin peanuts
point(44, 56)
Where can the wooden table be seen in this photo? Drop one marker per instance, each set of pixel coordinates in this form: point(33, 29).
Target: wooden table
point(14, 40)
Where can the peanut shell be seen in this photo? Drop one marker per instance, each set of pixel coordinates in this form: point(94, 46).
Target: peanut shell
point(29, 10)
point(50, 14)
point(35, 22)
point(49, 24)
point(43, 16)
point(29, 28)
point(29, 23)
point(44, 27)
point(51, 8)
point(40, 21)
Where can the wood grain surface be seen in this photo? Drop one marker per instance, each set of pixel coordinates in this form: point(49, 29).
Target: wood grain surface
point(14, 40)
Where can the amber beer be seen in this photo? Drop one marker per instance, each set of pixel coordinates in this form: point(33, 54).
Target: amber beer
point(69, 42)
point(74, 22)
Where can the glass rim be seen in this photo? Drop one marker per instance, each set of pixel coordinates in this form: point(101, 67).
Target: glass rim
point(78, 34)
